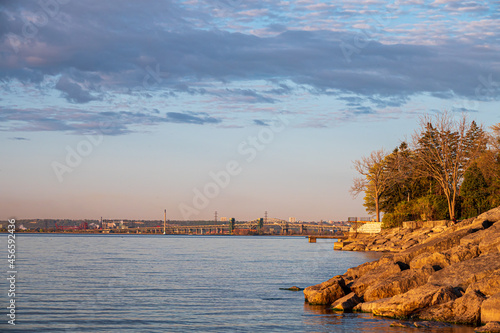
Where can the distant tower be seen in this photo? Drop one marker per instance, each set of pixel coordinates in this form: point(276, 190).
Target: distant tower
point(165, 222)
point(101, 223)
point(231, 226)
point(215, 217)
point(265, 217)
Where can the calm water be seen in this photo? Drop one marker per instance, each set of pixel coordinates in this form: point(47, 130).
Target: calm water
point(140, 283)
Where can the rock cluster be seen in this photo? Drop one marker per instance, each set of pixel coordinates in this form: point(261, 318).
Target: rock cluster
point(448, 273)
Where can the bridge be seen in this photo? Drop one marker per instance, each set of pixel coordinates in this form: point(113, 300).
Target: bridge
point(276, 227)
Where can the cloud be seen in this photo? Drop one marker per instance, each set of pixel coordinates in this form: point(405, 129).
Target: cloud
point(83, 122)
point(223, 52)
point(259, 122)
point(463, 110)
point(73, 92)
point(191, 118)
point(184, 56)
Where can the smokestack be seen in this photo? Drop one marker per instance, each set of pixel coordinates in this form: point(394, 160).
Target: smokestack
point(165, 222)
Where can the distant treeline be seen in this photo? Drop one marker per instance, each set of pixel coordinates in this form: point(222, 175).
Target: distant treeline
point(450, 169)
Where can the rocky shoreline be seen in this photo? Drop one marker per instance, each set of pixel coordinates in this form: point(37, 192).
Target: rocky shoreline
point(440, 272)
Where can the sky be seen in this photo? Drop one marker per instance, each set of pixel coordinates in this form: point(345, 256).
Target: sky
point(123, 109)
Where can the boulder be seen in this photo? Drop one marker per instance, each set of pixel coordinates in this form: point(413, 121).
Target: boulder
point(490, 309)
point(462, 253)
point(437, 260)
point(492, 215)
point(444, 259)
point(408, 244)
point(464, 273)
point(354, 247)
point(378, 273)
point(370, 306)
point(490, 327)
point(467, 309)
point(489, 285)
point(359, 271)
point(346, 303)
point(464, 310)
point(441, 242)
point(294, 288)
point(491, 239)
point(326, 292)
point(398, 283)
point(473, 238)
point(415, 300)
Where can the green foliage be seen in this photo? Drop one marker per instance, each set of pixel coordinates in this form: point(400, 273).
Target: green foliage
point(429, 207)
point(474, 193)
point(401, 213)
point(451, 171)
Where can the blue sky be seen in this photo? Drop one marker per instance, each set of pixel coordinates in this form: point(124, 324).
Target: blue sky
point(122, 109)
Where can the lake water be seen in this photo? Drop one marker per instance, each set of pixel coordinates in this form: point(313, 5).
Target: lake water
point(156, 283)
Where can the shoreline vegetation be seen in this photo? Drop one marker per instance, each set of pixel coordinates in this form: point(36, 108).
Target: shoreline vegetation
point(440, 271)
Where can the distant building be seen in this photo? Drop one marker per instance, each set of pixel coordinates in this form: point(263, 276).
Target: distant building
point(223, 219)
point(292, 219)
point(108, 225)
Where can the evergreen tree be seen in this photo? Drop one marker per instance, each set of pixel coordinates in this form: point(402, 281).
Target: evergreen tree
point(474, 192)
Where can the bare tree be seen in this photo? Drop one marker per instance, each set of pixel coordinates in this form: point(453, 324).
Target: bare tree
point(495, 138)
point(375, 180)
point(445, 149)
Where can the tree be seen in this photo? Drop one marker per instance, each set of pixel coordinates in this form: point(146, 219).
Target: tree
point(445, 149)
point(375, 180)
point(400, 165)
point(495, 138)
point(474, 192)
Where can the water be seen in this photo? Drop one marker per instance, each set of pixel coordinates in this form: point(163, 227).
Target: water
point(156, 283)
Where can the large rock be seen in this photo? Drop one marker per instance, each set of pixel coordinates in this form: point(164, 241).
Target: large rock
point(464, 273)
point(440, 260)
point(439, 243)
point(346, 303)
point(398, 283)
point(490, 309)
point(464, 310)
point(377, 274)
point(415, 301)
point(489, 285)
point(358, 271)
point(492, 215)
point(408, 244)
point(467, 309)
point(437, 260)
point(326, 292)
point(354, 247)
point(370, 306)
point(491, 239)
point(491, 327)
point(462, 253)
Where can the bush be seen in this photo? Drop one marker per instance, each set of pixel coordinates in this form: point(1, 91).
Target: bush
point(430, 207)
